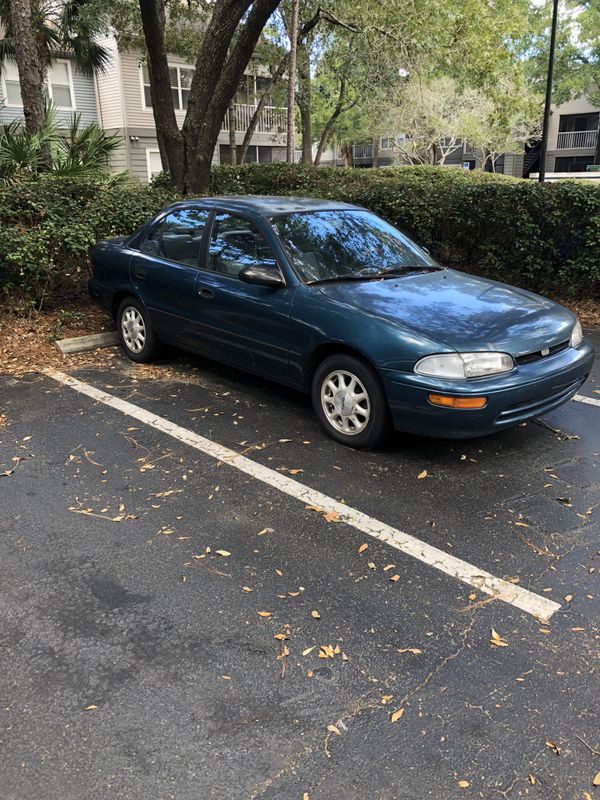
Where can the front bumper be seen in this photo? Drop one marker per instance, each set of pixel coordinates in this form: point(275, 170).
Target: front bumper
point(528, 391)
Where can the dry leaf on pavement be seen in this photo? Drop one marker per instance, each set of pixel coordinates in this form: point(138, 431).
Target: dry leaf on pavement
point(422, 475)
point(396, 715)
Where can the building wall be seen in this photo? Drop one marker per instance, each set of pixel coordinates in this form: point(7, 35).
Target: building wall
point(84, 92)
point(110, 91)
point(580, 105)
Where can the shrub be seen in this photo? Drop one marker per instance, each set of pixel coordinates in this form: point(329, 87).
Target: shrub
point(47, 225)
point(544, 238)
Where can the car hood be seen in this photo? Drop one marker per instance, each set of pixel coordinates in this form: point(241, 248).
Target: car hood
point(461, 311)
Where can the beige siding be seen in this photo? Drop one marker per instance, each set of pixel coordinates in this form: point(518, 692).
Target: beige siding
point(136, 114)
point(579, 106)
point(110, 96)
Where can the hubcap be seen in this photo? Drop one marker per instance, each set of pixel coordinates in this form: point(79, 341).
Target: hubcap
point(345, 402)
point(133, 329)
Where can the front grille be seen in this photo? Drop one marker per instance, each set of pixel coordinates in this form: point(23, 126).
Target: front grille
point(529, 358)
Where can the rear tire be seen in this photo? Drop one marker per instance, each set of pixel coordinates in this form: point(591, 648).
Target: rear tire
point(135, 332)
point(350, 402)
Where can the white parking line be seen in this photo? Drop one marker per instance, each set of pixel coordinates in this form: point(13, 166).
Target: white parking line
point(582, 399)
point(539, 607)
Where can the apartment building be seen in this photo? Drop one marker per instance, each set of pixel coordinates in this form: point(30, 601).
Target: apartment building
point(572, 137)
point(465, 157)
point(119, 101)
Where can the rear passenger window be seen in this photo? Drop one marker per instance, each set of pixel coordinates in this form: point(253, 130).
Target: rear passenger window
point(178, 237)
point(236, 243)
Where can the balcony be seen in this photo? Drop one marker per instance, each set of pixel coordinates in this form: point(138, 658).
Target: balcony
point(574, 140)
point(273, 119)
point(362, 152)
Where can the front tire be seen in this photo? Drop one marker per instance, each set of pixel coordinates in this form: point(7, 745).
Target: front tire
point(349, 401)
point(135, 331)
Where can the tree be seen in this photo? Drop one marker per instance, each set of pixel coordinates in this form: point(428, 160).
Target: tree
point(227, 44)
point(36, 33)
point(28, 65)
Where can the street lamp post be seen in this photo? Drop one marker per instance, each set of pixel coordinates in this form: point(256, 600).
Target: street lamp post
point(548, 104)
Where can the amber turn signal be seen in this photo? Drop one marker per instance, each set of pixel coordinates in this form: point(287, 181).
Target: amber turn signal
point(457, 402)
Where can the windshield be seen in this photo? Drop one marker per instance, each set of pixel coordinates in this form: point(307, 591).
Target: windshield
point(339, 245)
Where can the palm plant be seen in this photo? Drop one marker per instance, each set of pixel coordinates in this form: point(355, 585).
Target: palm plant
point(60, 28)
point(82, 152)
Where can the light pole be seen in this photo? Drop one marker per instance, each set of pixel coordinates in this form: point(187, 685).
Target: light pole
point(544, 144)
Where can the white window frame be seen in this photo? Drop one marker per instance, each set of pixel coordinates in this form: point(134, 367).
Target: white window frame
point(149, 152)
point(178, 68)
point(72, 107)
point(48, 86)
point(5, 92)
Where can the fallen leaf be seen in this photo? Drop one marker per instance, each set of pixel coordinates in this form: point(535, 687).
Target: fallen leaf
point(472, 596)
point(386, 698)
point(596, 779)
point(264, 531)
point(315, 615)
point(362, 548)
point(396, 715)
point(568, 598)
point(226, 677)
point(265, 613)
point(333, 729)
point(395, 578)
point(310, 673)
point(281, 637)
point(422, 475)
point(90, 708)
point(553, 746)
point(414, 650)
point(498, 640)
point(200, 557)
point(279, 572)
point(332, 516)
point(296, 471)
point(285, 440)
point(247, 589)
point(463, 784)
point(532, 779)
point(224, 553)
point(308, 650)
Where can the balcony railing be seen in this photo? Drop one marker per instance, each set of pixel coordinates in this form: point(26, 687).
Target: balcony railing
point(273, 119)
point(360, 151)
point(576, 139)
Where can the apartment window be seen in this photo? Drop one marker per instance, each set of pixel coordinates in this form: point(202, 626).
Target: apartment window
point(59, 85)
point(569, 123)
point(11, 89)
point(572, 163)
point(181, 83)
point(256, 154)
point(389, 142)
point(153, 163)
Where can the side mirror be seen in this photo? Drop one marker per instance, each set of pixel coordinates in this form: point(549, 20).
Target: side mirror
point(262, 275)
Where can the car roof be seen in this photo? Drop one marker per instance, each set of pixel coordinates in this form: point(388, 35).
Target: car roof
point(268, 205)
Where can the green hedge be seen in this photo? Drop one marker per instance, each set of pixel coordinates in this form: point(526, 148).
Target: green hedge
point(545, 238)
point(48, 224)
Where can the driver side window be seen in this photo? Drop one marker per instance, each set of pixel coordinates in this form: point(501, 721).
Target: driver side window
point(236, 243)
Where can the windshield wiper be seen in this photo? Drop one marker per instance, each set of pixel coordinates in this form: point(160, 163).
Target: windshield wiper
point(351, 276)
point(404, 269)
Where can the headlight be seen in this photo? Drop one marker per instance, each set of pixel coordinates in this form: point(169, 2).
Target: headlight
point(464, 365)
point(576, 335)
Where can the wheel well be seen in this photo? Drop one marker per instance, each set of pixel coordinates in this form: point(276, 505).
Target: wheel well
point(322, 352)
point(117, 299)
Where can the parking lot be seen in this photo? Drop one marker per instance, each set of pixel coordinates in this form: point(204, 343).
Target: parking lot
point(306, 621)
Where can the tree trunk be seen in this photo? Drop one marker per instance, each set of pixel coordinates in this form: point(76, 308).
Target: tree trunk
point(375, 151)
point(231, 120)
point(347, 154)
point(304, 102)
point(339, 109)
point(291, 115)
point(243, 149)
point(219, 69)
point(170, 140)
point(28, 65)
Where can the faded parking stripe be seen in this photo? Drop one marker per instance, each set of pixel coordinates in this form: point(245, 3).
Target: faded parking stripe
point(536, 605)
point(580, 398)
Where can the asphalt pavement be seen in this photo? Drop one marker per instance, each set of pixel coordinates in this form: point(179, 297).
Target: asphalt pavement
point(174, 628)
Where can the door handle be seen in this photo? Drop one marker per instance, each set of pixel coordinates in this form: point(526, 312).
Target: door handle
point(206, 293)
point(139, 273)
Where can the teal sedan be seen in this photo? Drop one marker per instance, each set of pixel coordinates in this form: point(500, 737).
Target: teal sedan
point(330, 299)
